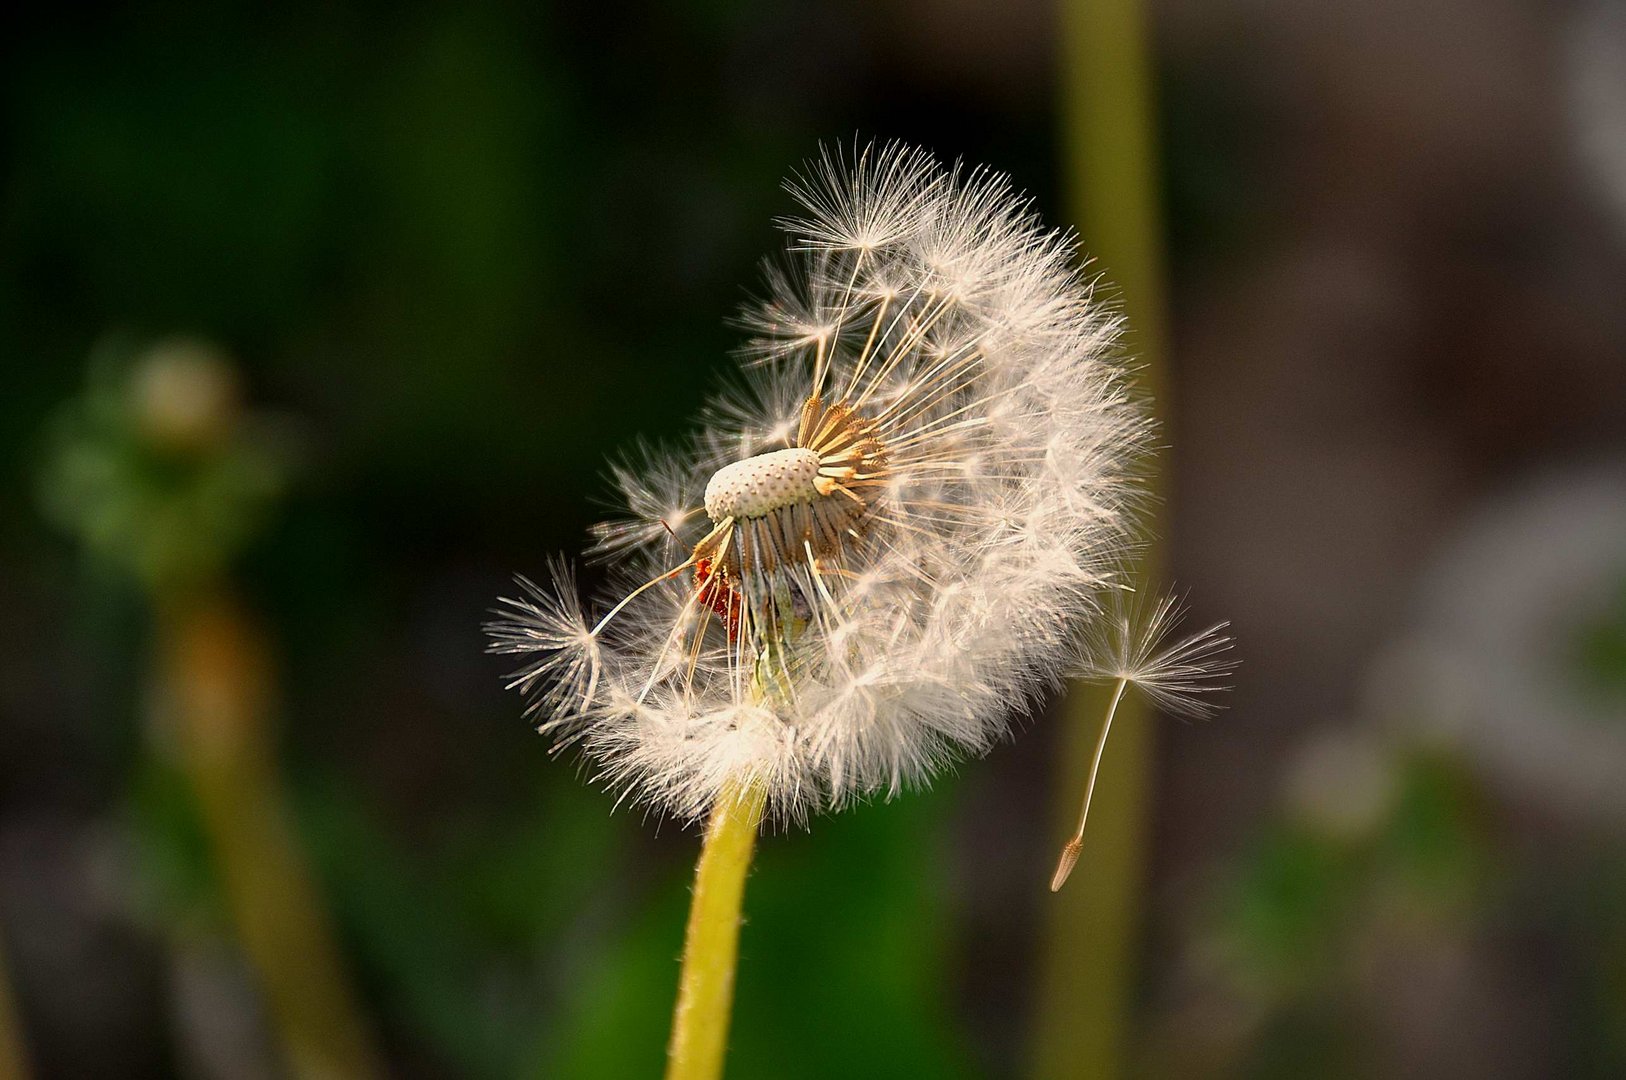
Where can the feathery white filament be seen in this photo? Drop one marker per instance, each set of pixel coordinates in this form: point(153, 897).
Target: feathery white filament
point(925, 482)
point(1126, 647)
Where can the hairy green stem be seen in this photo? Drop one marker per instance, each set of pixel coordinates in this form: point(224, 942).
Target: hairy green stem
point(711, 943)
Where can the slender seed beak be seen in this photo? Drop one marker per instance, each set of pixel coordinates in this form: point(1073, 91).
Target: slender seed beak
point(1069, 854)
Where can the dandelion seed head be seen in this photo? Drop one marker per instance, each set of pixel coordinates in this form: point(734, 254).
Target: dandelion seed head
point(882, 542)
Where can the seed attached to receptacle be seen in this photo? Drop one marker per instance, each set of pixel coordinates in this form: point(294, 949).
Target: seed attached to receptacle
point(776, 508)
point(758, 486)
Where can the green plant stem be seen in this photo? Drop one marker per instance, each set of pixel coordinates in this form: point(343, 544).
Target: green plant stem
point(215, 671)
point(711, 942)
point(13, 1054)
point(1084, 1009)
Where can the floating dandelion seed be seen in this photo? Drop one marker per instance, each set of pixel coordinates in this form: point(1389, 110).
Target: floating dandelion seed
point(878, 547)
point(1129, 646)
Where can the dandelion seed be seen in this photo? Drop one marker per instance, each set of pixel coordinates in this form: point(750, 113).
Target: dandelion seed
point(1128, 647)
point(880, 547)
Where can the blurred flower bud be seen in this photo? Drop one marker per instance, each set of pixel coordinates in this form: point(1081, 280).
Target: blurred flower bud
point(1521, 620)
point(1341, 783)
point(185, 395)
point(157, 469)
point(1597, 97)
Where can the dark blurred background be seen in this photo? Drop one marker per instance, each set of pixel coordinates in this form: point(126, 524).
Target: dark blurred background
point(449, 257)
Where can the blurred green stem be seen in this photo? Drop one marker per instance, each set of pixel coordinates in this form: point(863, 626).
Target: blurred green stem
point(711, 943)
point(215, 673)
point(1109, 136)
point(13, 1055)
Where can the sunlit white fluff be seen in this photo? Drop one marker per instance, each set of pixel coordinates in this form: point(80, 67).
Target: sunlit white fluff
point(1133, 642)
point(977, 501)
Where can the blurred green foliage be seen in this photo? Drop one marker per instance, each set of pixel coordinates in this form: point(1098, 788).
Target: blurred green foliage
point(152, 471)
point(843, 957)
point(1299, 895)
point(1600, 652)
point(473, 248)
point(472, 260)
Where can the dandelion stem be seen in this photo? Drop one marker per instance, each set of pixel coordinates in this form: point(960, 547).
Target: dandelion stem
point(1069, 853)
point(216, 676)
point(1107, 80)
point(13, 1053)
point(711, 943)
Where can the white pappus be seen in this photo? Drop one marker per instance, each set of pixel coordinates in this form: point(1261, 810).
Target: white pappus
point(882, 548)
